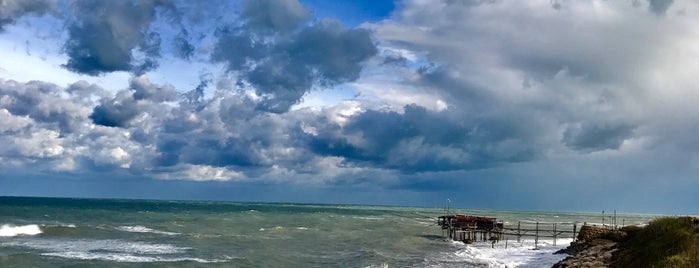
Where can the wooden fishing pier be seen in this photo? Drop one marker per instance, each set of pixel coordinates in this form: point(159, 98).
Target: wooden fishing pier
point(469, 229)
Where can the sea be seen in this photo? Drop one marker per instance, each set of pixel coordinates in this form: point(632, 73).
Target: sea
point(67, 232)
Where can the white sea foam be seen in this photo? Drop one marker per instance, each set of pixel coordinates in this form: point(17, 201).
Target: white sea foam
point(121, 257)
point(110, 250)
point(368, 218)
point(7, 230)
point(90, 245)
point(143, 229)
point(515, 255)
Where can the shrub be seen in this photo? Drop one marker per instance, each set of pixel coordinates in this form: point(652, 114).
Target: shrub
point(665, 242)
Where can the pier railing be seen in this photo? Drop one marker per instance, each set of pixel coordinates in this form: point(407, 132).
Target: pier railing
point(471, 229)
point(538, 230)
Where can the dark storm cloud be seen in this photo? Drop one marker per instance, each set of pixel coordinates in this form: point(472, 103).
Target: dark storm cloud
point(274, 15)
point(590, 137)
point(236, 48)
point(419, 140)
point(283, 66)
point(10, 10)
point(182, 47)
point(127, 104)
point(659, 6)
point(116, 112)
point(103, 35)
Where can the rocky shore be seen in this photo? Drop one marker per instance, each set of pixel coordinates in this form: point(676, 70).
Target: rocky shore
point(593, 248)
point(665, 242)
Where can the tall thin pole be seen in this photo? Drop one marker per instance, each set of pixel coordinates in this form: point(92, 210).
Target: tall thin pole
point(536, 238)
point(448, 204)
point(519, 234)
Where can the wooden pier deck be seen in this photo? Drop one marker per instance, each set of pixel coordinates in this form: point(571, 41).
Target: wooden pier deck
point(469, 229)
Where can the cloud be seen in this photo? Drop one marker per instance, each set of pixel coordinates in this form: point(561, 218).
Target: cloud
point(283, 59)
point(274, 15)
point(130, 103)
point(10, 10)
point(143, 89)
point(440, 97)
point(589, 138)
point(105, 36)
point(659, 6)
point(419, 140)
point(43, 103)
point(116, 112)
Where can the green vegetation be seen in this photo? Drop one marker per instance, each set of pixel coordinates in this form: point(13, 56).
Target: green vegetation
point(665, 242)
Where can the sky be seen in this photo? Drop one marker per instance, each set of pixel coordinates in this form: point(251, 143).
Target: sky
point(566, 105)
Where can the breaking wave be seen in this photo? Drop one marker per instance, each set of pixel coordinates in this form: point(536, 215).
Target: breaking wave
point(143, 229)
point(123, 257)
point(116, 250)
point(7, 230)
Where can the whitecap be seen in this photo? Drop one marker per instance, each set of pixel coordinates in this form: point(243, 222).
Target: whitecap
point(122, 257)
point(104, 246)
point(7, 230)
point(143, 229)
point(515, 255)
point(368, 218)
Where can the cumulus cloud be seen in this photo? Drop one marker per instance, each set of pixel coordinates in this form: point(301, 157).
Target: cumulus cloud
point(132, 102)
point(292, 58)
point(104, 36)
point(43, 102)
point(419, 140)
point(541, 80)
point(274, 15)
point(10, 10)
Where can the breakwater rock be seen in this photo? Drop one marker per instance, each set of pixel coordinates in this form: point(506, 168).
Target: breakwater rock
point(593, 248)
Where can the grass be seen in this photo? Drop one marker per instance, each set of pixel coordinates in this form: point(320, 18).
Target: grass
point(665, 242)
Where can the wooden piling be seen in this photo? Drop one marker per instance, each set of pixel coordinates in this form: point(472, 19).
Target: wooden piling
point(536, 238)
point(519, 231)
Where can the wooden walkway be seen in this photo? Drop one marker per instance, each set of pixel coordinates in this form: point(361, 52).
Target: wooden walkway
point(471, 229)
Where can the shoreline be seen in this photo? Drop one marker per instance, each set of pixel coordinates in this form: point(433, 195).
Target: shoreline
point(664, 242)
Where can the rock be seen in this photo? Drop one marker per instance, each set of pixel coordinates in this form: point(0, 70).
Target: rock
point(593, 248)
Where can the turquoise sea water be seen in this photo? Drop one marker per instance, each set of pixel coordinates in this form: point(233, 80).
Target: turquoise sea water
point(62, 232)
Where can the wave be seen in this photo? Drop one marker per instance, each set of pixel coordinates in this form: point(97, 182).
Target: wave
point(143, 229)
point(515, 255)
point(369, 218)
point(116, 250)
point(92, 245)
point(124, 257)
point(282, 228)
point(7, 230)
